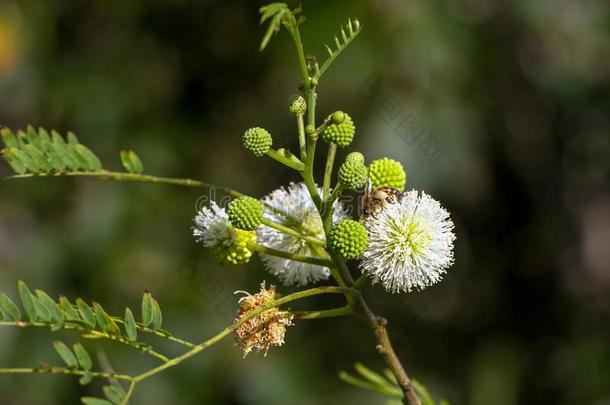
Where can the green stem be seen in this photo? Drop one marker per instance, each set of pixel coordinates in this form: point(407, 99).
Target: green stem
point(160, 333)
point(328, 172)
point(336, 193)
point(360, 281)
point(289, 231)
point(131, 177)
point(328, 208)
point(208, 343)
point(98, 334)
point(286, 161)
point(302, 142)
point(297, 258)
point(129, 393)
point(64, 371)
point(298, 43)
point(325, 313)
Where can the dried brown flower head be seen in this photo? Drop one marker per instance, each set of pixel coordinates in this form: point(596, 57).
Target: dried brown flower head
point(264, 330)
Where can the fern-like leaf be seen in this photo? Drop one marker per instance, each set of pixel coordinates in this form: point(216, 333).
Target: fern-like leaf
point(348, 32)
point(36, 152)
point(386, 385)
point(275, 13)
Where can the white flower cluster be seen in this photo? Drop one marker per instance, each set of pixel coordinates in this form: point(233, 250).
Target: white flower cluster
point(410, 243)
point(293, 207)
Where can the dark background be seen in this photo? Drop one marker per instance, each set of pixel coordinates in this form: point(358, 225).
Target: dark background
point(506, 106)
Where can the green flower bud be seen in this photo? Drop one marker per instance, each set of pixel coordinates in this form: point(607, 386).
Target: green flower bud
point(387, 173)
point(297, 105)
point(338, 117)
point(355, 157)
point(245, 213)
point(237, 252)
point(348, 238)
point(352, 174)
point(257, 140)
point(342, 134)
point(310, 129)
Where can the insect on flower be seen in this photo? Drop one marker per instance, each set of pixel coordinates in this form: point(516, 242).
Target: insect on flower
point(375, 200)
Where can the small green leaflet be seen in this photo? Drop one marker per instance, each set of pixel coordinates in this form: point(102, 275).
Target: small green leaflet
point(131, 162)
point(130, 325)
point(9, 309)
point(66, 354)
point(86, 313)
point(26, 301)
point(83, 358)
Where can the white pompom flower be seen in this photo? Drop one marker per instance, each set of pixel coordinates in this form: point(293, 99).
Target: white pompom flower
point(214, 230)
point(293, 207)
point(410, 244)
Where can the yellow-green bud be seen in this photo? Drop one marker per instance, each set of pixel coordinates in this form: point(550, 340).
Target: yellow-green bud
point(352, 174)
point(245, 213)
point(387, 173)
point(342, 134)
point(297, 105)
point(348, 239)
point(237, 252)
point(355, 157)
point(310, 129)
point(257, 141)
point(338, 117)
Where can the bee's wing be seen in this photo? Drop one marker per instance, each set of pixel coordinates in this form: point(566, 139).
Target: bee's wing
point(364, 201)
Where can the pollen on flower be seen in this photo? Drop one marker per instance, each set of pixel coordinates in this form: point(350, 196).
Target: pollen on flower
point(264, 330)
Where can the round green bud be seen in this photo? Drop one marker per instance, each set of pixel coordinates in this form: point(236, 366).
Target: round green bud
point(338, 117)
point(310, 129)
point(257, 141)
point(237, 252)
point(387, 173)
point(245, 213)
point(297, 105)
point(348, 238)
point(355, 157)
point(313, 81)
point(352, 174)
point(342, 134)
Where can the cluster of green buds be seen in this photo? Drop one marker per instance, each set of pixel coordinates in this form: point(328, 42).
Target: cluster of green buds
point(340, 131)
point(347, 238)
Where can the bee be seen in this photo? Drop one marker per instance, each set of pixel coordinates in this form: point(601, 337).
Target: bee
point(374, 201)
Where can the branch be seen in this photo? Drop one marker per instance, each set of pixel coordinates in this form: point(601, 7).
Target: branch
point(130, 177)
point(65, 371)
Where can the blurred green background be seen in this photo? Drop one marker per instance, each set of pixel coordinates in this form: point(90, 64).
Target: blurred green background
point(499, 109)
